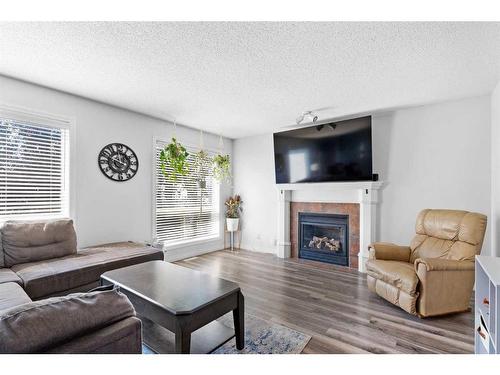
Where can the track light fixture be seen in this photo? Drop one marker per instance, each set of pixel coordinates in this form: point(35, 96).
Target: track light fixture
point(307, 116)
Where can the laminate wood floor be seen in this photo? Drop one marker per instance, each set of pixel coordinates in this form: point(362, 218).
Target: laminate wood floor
point(333, 305)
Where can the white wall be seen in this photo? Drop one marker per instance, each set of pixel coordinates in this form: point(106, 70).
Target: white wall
point(254, 179)
point(108, 211)
point(434, 156)
point(495, 171)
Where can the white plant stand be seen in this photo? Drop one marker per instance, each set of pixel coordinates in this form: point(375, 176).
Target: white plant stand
point(232, 229)
point(487, 305)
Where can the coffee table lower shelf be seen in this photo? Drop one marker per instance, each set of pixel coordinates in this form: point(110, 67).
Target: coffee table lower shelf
point(203, 341)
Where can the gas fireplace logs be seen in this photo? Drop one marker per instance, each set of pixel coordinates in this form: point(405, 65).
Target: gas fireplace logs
point(324, 242)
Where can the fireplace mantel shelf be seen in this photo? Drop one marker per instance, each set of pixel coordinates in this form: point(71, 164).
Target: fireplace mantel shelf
point(355, 185)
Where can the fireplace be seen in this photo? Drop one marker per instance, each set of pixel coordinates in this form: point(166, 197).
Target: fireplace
point(324, 237)
point(357, 200)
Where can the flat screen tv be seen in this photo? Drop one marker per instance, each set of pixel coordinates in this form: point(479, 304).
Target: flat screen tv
point(328, 152)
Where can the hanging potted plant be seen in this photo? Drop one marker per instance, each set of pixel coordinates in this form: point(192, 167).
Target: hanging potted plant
point(201, 166)
point(221, 167)
point(233, 209)
point(173, 160)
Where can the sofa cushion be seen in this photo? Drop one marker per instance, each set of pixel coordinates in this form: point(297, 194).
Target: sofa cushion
point(31, 241)
point(9, 276)
point(53, 276)
point(36, 327)
point(11, 294)
point(402, 275)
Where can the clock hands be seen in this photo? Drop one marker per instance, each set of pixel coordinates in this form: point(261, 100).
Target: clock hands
point(118, 161)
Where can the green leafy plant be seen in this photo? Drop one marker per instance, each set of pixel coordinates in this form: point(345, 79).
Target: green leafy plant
point(173, 160)
point(233, 207)
point(221, 168)
point(201, 166)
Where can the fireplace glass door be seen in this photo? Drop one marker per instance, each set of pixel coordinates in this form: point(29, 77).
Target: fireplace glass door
point(324, 237)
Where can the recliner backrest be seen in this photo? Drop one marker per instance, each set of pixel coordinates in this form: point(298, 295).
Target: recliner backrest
point(448, 234)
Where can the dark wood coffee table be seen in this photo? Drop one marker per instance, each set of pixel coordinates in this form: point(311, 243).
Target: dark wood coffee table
point(182, 301)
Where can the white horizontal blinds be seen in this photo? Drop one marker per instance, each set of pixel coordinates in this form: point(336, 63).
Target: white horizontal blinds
point(33, 170)
point(184, 211)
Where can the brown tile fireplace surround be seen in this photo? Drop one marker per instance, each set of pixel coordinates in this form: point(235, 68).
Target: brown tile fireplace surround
point(350, 209)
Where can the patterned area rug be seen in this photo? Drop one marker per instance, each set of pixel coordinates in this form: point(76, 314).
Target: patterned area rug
point(261, 337)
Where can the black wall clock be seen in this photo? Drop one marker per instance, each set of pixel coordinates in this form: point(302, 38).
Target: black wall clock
point(118, 162)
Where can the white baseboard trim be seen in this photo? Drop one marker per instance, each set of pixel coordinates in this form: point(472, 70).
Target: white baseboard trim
point(173, 255)
point(258, 249)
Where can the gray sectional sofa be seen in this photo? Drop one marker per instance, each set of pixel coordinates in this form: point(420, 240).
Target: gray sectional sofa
point(39, 266)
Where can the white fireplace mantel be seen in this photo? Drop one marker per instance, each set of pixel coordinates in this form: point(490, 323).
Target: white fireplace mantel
point(366, 193)
point(335, 186)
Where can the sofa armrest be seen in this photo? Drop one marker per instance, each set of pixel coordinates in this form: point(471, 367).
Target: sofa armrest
point(389, 251)
point(39, 326)
point(436, 264)
point(123, 337)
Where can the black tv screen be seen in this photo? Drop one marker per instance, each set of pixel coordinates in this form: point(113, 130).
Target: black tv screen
point(330, 152)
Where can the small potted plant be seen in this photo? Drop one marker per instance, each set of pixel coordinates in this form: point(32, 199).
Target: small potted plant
point(222, 168)
point(173, 160)
point(233, 209)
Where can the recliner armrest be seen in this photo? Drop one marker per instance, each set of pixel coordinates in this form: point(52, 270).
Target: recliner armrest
point(437, 264)
point(389, 251)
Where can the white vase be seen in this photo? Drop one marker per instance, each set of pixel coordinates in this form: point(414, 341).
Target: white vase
point(232, 224)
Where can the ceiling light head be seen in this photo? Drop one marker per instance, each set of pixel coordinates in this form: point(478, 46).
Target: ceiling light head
point(307, 116)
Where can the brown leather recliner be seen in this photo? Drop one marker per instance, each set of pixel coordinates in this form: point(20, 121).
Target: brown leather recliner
point(435, 274)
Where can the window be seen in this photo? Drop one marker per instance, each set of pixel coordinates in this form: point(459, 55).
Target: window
point(183, 210)
point(34, 163)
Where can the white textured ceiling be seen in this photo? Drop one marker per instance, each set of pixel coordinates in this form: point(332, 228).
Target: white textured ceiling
point(241, 79)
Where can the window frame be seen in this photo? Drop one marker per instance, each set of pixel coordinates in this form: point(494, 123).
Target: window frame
point(49, 120)
point(185, 243)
